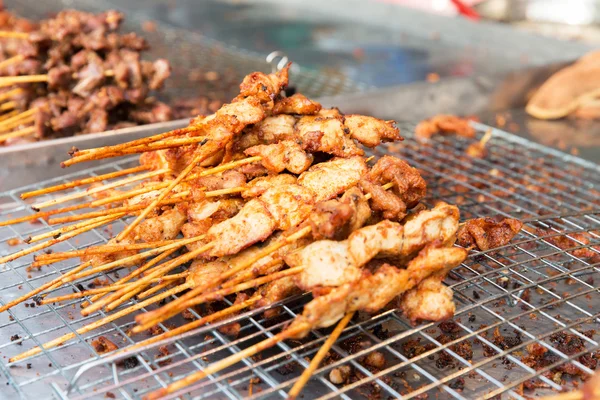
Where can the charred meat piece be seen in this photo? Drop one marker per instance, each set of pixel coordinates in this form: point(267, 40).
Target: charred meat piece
point(444, 124)
point(488, 233)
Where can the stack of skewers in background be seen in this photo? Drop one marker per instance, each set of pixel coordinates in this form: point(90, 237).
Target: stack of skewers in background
point(75, 74)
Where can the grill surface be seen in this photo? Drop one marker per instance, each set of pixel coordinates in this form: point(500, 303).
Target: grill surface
point(528, 291)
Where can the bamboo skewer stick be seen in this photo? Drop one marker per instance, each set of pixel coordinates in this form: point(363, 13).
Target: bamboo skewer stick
point(58, 232)
point(134, 143)
point(14, 35)
point(227, 362)
point(90, 191)
point(44, 287)
point(198, 158)
point(46, 214)
point(219, 294)
point(8, 115)
point(84, 181)
point(158, 145)
point(18, 133)
point(12, 60)
point(39, 78)
point(13, 80)
point(51, 242)
point(316, 361)
point(129, 210)
point(163, 269)
point(94, 325)
point(138, 271)
point(103, 249)
point(486, 138)
point(153, 317)
point(19, 119)
point(155, 288)
point(160, 286)
point(101, 290)
point(194, 324)
point(9, 105)
point(12, 92)
point(131, 259)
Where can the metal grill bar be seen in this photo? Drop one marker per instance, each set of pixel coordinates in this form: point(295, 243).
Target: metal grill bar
point(545, 278)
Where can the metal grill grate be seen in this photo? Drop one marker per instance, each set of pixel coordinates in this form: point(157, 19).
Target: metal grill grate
point(530, 291)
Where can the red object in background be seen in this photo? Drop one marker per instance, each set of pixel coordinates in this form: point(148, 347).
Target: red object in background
point(465, 10)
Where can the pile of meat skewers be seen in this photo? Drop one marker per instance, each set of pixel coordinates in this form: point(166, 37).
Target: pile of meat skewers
point(74, 74)
point(273, 196)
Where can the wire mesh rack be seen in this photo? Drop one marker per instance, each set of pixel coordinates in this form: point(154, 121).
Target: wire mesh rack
point(525, 321)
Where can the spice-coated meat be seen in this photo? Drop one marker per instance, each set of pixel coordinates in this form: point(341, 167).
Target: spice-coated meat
point(487, 233)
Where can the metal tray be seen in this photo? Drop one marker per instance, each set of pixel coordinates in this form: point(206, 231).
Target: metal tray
point(529, 289)
point(190, 54)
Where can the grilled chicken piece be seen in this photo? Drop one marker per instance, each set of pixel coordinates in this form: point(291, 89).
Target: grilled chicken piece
point(258, 186)
point(370, 131)
point(276, 291)
point(331, 263)
point(283, 155)
point(409, 185)
point(444, 124)
point(326, 135)
point(373, 291)
point(438, 224)
point(201, 272)
point(225, 180)
point(331, 178)
point(296, 104)
point(268, 131)
point(431, 300)
point(337, 218)
point(288, 205)
point(252, 224)
point(163, 227)
point(266, 265)
point(264, 87)
point(386, 239)
point(390, 205)
point(487, 233)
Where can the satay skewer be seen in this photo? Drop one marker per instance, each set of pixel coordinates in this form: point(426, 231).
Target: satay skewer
point(90, 191)
point(84, 181)
point(12, 60)
point(22, 118)
point(56, 233)
point(10, 93)
point(103, 249)
point(224, 363)
point(39, 78)
point(18, 133)
point(106, 289)
point(133, 259)
point(166, 191)
point(52, 242)
point(153, 317)
point(94, 325)
point(316, 361)
point(194, 324)
point(91, 153)
point(132, 210)
point(14, 35)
